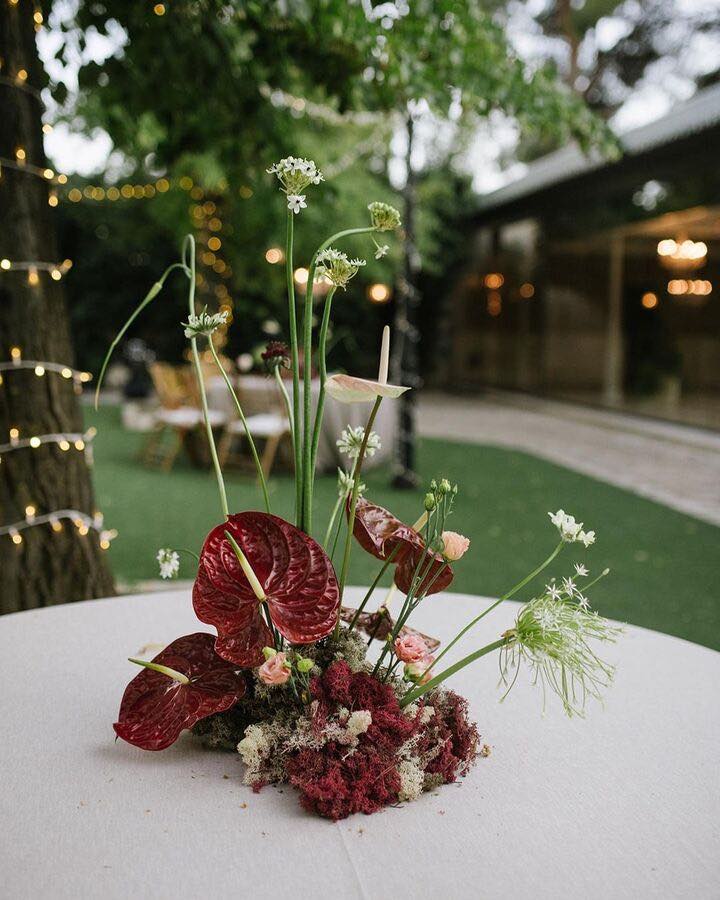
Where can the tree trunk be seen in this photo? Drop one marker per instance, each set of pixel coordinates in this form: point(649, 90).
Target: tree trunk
point(405, 362)
point(47, 566)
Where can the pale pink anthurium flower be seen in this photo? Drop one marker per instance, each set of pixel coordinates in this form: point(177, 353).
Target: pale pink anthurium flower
point(349, 389)
point(454, 545)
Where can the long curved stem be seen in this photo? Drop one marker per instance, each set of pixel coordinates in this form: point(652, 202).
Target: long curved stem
point(189, 261)
point(308, 462)
point(322, 364)
point(286, 400)
point(353, 502)
point(241, 414)
point(148, 298)
point(506, 596)
point(292, 319)
point(333, 517)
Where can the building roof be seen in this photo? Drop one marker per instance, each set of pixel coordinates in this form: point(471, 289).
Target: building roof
point(700, 112)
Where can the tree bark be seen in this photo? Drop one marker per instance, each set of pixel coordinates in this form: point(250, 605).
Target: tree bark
point(47, 567)
point(405, 360)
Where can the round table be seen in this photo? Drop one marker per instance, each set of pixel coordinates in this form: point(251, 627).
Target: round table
point(621, 804)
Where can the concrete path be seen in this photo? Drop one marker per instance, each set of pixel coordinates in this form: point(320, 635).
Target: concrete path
point(673, 464)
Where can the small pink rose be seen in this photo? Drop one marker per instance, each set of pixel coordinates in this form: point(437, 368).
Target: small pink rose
point(454, 545)
point(417, 671)
point(274, 670)
point(410, 648)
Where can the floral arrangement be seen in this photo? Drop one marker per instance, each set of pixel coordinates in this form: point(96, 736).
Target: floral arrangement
point(291, 679)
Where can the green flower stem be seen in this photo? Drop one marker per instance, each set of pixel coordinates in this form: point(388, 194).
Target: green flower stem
point(286, 400)
point(322, 365)
point(333, 516)
point(421, 689)
point(372, 587)
point(189, 251)
point(253, 448)
point(149, 297)
point(164, 670)
point(506, 596)
point(307, 456)
point(353, 503)
point(292, 318)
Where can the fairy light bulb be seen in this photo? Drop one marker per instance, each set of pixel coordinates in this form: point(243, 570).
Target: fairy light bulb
point(39, 371)
point(16, 536)
point(64, 445)
point(35, 442)
point(53, 199)
point(56, 525)
point(5, 264)
point(14, 435)
point(79, 445)
point(30, 512)
point(15, 354)
point(33, 277)
point(55, 274)
point(20, 154)
point(66, 373)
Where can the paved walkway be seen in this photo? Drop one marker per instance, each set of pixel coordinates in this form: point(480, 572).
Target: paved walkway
point(673, 464)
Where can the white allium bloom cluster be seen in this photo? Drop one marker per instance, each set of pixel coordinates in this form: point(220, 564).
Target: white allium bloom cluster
point(296, 202)
point(552, 637)
point(345, 484)
point(169, 562)
point(351, 440)
point(295, 173)
point(570, 530)
point(336, 267)
point(204, 324)
point(381, 250)
point(383, 216)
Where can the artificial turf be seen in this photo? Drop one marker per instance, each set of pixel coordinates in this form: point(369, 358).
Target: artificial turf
point(665, 565)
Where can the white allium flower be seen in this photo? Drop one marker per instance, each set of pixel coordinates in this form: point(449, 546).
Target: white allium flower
point(336, 267)
point(295, 174)
point(582, 601)
point(568, 586)
point(570, 530)
point(345, 484)
point(383, 216)
point(169, 562)
point(553, 592)
point(580, 570)
point(382, 250)
point(351, 440)
point(296, 202)
point(204, 324)
point(553, 639)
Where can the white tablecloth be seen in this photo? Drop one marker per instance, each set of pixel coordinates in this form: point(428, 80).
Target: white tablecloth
point(259, 393)
point(621, 805)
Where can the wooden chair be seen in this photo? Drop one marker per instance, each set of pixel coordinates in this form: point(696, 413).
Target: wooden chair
point(179, 415)
point(267, 423)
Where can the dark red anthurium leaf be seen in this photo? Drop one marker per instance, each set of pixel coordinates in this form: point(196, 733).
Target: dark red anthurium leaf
point(295, 573)
point(379, 624)
point(380, 533)
point(155, 708)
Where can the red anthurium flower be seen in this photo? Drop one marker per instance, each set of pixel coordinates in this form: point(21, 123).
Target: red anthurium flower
point(190, 683)
point(293, 575)
point(380, 533)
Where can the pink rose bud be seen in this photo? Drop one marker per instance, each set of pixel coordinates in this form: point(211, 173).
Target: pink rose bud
point(410, 648)
point(274, 670)
point(417, 671)
point(454, 545)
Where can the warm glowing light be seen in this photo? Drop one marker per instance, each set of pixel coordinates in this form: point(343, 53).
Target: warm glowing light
point(83, 529)
point(79, 444)
point(38, 17)
point(15, 353)
point(494, 303)
point(55, 274)
point(126, 191)
point(74, 195)
point(527, 290)
point(186, 183)
point(494, 280)
point(52, 200)
point(47, 128)
point(14, 434)
point(274, 255)
point(163, 185)
point(20, 154)
point(379, 293)
point(22, 76)
point(16, 538)
point(301, 275)
point(112, 193)
point(39, 371)
point(5, 264)
point(215, 224)
point(56, 525)
point(49, 174)
point(62, 179)
point(29, 511)
point(677, 286)
point(85, 376)
point(35, 442)
point(159, 9)
point(685, 252)
point(649, 300)
point(214, 243)
point(64, 445)
point(33, 277)
point(104, 544)
point(66, 373)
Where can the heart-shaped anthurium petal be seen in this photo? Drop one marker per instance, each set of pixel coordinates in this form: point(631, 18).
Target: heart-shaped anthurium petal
point(155, 708)
point(379, 532)
point(295, 573)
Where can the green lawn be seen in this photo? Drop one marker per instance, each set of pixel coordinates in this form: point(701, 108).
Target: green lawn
point(665, 565)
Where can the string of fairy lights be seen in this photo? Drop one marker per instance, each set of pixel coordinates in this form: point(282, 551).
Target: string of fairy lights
point(32, 269)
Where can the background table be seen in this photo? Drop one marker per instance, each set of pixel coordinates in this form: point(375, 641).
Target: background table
point(259, 393)
point(622, 804)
